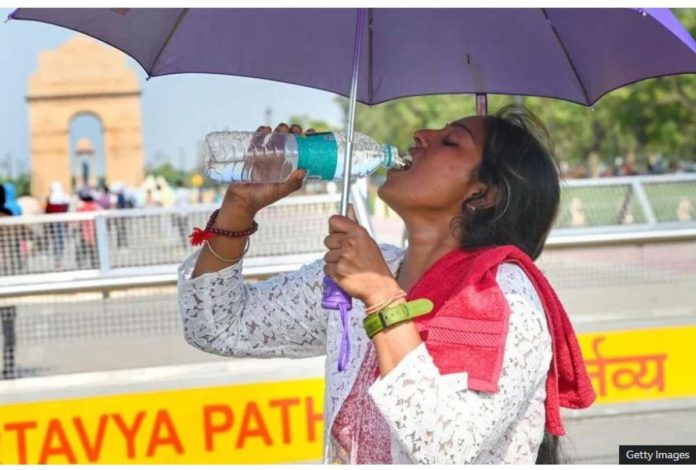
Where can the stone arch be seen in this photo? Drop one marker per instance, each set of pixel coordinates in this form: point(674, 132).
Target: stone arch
point(84, 76)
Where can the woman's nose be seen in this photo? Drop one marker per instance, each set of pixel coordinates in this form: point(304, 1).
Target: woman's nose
point(420, 138)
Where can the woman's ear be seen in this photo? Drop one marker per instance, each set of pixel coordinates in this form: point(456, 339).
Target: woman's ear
point(482, 199)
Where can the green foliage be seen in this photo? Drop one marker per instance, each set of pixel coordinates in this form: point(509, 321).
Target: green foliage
point(652, 117)
point(171, 174)
point(22, 183)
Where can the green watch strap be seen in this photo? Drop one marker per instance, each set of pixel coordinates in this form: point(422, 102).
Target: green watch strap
point(397, 314)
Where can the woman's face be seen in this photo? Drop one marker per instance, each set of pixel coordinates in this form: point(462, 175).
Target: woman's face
point(441, 176)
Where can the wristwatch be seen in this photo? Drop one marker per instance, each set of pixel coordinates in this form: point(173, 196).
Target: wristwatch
point(391, 316)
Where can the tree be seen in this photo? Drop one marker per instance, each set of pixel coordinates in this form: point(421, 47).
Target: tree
point(655, 116)
point(22, 183)
point(171, 174)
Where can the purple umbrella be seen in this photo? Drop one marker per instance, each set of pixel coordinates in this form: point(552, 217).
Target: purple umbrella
point(572, 54)
point(576, 55)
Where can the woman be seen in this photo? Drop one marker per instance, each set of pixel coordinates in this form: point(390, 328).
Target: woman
point(467, 380)
point(57, 202)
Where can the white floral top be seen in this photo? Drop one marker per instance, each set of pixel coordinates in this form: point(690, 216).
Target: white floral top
point(432, 418)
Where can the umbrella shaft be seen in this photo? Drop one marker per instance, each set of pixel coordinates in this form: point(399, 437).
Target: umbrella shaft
point(347, 158)
point(481, 104)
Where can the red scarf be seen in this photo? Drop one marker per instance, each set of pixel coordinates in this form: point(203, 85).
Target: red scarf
point(467, 330)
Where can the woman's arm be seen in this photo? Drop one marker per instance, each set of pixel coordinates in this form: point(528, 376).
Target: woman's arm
point(437, 420)
point(281, 316)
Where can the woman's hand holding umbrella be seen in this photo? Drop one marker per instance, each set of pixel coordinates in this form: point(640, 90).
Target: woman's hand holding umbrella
point(355, 263)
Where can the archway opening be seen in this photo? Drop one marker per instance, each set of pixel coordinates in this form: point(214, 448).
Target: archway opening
point(87, 162)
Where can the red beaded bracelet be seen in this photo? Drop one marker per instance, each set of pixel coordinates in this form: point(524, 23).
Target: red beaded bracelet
point(199, 236)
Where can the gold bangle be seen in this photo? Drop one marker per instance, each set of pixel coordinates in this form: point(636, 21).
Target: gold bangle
point(227, 260)
point(385, 303)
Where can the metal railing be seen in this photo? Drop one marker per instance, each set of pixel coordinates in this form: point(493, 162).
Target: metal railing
point(107, 241)
point(62, 327)
point(37, 249)
point(635, 201)
point(101, 244)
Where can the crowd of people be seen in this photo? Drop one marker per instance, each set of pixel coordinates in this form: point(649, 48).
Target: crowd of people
point(18, 241)
point(153, 192)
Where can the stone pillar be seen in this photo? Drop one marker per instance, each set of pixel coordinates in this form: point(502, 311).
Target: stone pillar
point(50, 150)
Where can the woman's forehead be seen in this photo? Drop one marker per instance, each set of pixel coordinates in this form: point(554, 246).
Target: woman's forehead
point(473, 124)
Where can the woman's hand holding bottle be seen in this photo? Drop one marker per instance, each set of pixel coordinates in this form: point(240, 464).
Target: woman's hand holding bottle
point(240, 205)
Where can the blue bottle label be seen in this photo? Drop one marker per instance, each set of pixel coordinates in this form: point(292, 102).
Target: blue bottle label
point(317, 154)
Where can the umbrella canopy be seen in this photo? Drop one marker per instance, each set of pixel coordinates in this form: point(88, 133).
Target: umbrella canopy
point(576, 55)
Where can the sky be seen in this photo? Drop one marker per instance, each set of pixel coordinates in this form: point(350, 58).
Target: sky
point(177, 111)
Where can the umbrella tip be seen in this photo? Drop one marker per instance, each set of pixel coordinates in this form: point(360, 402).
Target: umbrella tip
point(147, 79)
point(11, 15)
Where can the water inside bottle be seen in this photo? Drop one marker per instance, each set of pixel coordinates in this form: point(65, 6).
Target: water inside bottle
point(264, 158)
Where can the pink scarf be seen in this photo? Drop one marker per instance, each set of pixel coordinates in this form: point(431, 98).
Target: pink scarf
point(469, 325)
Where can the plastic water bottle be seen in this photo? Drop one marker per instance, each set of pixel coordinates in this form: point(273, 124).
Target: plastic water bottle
point(252, 157)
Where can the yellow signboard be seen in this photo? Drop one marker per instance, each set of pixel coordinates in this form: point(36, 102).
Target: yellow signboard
point(259, 423)
point(282, 421)
point(637, 365)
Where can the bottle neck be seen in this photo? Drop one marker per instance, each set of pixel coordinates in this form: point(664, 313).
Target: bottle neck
point(391, 156)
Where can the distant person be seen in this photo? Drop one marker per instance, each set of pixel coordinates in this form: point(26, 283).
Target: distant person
point(57, 203)
point(11, 199)
point(656, 165)
point(104, 199)
point(5, 231)
point(153, 198)
point(685, 210)
point(34, 241)
point(11, 236)
point(674, 167)
point(86, 253)
point(29, 204)
point(123, 201)
point(182, 196)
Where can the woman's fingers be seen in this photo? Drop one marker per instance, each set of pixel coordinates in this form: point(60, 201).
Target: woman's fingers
point(333, 256)
point(340, 224)
point(333, 241)
point(292, 184)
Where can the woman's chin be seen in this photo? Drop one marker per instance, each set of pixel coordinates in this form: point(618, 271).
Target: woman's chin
point(388, 193)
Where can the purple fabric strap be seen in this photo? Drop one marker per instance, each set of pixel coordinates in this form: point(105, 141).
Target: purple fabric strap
point(344, 352)
point(335, 298)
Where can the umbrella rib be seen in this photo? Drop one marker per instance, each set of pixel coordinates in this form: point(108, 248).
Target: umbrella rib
point(169, 38)
point(567, 55)
point(369, 55)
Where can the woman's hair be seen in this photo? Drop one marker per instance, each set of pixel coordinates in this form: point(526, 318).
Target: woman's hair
point(518, 163)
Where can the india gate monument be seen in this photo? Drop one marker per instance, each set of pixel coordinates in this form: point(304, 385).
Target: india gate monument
point(84, 77)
